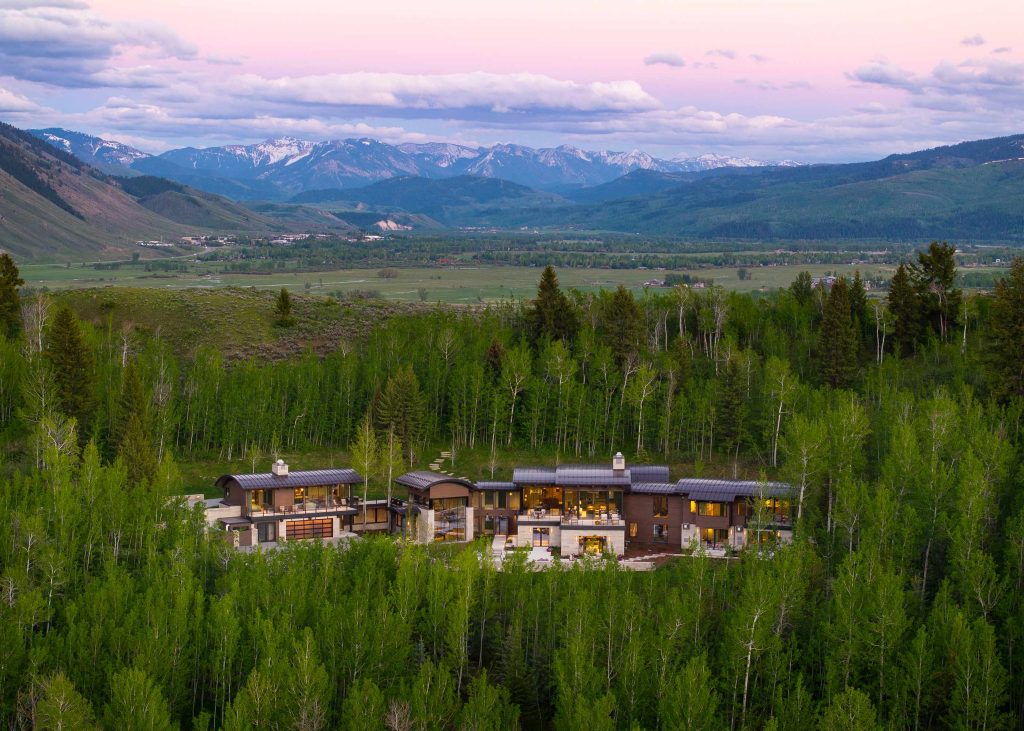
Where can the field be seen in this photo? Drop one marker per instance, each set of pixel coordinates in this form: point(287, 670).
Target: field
point(465, 285)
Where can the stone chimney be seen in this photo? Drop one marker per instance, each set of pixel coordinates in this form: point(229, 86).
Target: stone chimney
point(279, 468)
point(618, 462)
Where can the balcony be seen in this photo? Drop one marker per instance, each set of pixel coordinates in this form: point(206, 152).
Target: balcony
point(309, 507)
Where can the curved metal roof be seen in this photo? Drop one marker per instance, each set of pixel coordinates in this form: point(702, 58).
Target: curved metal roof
point(422, 479)
point(654, 488)
point(714, 490)
point(299, 478)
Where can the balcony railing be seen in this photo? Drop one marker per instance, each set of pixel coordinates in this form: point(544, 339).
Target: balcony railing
point(570, 520)
point(305, 508)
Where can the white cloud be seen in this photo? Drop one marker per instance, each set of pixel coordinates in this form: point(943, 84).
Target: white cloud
point(975, 40)
point(665, 59)
point(722, 53)
point(11, 103)
point(488, 92)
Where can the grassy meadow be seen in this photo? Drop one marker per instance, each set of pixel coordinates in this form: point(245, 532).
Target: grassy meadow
point(454, 285)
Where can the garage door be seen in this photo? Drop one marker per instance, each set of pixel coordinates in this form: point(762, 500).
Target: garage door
point(299, 529)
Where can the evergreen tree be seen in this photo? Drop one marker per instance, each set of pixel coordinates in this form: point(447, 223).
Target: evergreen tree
point(10, 303)
point(837, 338)
point(132, 402)
point(905, 308)
point(283, 309)
point(1006, 334)
point(934, 277)
point(73, 369)
point(730, 408)
point(623, 325)
point(137, 452)
point(551, 316)
point(400, 409)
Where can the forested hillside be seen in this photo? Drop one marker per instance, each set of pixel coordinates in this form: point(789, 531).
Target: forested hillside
point(897, 421)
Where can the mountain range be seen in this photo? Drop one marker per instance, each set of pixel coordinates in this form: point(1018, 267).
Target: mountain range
point(54, 205)
point(57, 201)
point(281, 168)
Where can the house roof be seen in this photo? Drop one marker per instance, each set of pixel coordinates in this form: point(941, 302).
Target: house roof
point(654, 488)
point(571, 476)
point(648, 473)
point(496, 486)
point(422, 479)
point(713, 490)
point(299, 478)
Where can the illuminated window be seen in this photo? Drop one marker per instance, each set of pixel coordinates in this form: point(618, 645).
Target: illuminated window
point(711, 510)
point(661, 506)
point(632, 530)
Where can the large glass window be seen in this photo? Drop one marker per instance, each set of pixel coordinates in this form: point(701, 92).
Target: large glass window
point(660, 534)
point(593, 503)
point(777, 509)
point(266, 532)
point(543, 498)
point(450, 523)
point(513, 501)
point(260, 500)
point(542, 536)
point(488, 499)
point(310, 498)
point(711, 510)
point(715, 537)
point(661, 506)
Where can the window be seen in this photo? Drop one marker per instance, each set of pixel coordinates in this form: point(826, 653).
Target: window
point(266, 532)
point(661, 506)
point(502, 500)
point(513, 501)
point(261, 500)
point(715, 537)
point(711, 510)
point(549, 498)
point(660, 532)
point(632, 530)
point(488, 499)
point(542, 537)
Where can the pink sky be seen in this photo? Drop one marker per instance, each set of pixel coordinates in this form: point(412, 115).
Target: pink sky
point(801, 79)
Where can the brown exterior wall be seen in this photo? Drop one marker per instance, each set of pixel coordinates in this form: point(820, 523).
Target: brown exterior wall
point(707, 521)
point(639, 509)
point(284, 497)
point(448, 489)
point(235, 494)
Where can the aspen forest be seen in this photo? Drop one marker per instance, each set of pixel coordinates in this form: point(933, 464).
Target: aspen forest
point(896, 415)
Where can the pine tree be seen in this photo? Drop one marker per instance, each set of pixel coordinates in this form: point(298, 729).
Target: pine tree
point(551, 316)
point(623, 325)
point(837, 338)
point(73, 371)
point(934, 277)
point(905, 307)
point(10, 303)
point(283, 309)
point(1006, 334)
point(137, 452)
point(62, 708)
point(400, 409)
point(132, 402)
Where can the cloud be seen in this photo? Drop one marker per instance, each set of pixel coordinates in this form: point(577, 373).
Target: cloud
point(496, 94)
point(665, 59)
point(1002, 49)
point(758, 57)
point(65, 44)
point(12, 103)
point(722, 53)
point(971, 87)
point(975, 40)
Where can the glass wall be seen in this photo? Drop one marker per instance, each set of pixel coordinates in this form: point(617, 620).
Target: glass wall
point(450, 523)
point(543, 498)
point(592, 503)
point(711, 510)
point(542, 536)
